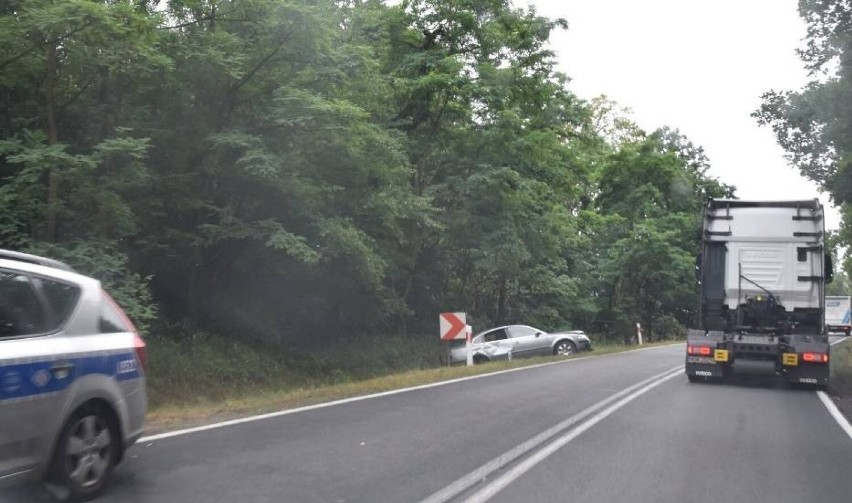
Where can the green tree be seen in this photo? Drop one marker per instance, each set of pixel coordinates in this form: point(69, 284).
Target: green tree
point(301, 171)
point(653, 191)
point(814, 124)
point(70, 167)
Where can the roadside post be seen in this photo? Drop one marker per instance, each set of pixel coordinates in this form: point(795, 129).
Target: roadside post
point(639, 334)
point(468, 332)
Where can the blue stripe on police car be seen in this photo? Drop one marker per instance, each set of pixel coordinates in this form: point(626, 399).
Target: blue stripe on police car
point(36, 378)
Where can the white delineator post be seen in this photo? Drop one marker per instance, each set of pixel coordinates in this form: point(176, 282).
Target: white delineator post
point(468, 331)
point(639, 334)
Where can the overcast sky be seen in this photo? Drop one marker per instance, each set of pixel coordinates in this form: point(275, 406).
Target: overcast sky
point(698, 66)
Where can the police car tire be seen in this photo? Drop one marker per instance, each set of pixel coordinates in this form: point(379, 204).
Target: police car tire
point(59, 472)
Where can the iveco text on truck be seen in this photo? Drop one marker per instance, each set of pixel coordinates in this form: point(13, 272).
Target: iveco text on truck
point(762, 275)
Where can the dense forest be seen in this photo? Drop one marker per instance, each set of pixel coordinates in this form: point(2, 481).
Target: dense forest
point(303, 171)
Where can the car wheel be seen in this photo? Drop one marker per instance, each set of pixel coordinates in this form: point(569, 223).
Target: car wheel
point(564, 348)
point(477, 359)
point(85, 454)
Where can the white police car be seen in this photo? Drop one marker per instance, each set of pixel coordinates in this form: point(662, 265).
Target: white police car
point(72, 382)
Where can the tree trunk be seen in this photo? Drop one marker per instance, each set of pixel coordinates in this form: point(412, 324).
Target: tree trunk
point(402, 317)
point(108, 114)
point(501, 298)
point(193, 309)
point(52, 139)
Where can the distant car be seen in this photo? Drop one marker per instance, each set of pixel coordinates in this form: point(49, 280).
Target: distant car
point(72, 379)
point(519, 341)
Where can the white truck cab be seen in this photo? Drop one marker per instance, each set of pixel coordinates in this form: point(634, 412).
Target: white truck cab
point(762, 274)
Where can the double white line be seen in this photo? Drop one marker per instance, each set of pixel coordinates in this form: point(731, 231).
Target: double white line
point(569, 429)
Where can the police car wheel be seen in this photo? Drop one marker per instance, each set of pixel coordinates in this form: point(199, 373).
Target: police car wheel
point(85, 454)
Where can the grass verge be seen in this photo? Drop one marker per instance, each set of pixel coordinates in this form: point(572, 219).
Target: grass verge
point(216, 381)
point(841, 377)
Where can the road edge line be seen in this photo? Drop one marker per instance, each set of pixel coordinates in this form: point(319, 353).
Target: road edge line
point(831, 406)
point(285, 412)
point(835, 412)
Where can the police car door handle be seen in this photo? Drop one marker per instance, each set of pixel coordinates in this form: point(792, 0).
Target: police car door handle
point(62, 369)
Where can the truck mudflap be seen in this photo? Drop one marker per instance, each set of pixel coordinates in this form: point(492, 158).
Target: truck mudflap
point(812, 375)
point(807, 365)
point(709, 370)
point(704, 356)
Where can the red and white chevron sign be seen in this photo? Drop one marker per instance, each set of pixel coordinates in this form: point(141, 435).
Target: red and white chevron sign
point(452, 326)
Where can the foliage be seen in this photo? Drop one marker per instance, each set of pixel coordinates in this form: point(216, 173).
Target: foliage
point(102, 260)
point(814, 124)
point(312, 173)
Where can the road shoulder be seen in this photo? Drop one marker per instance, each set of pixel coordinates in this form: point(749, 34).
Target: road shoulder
point(840, 389)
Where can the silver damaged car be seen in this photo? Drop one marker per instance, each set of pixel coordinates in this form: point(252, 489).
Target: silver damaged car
point(519, 341)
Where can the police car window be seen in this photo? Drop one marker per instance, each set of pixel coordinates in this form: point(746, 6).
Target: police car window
point(111, 320)
point(62, 298)
point(21, 313)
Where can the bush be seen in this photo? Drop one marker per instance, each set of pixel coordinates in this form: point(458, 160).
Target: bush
point(103, 260)
point(666, 328)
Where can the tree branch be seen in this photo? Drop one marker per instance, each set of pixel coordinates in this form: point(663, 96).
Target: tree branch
point(243, 81)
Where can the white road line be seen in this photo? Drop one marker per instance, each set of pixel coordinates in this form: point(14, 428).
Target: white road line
point(835, 412)
point(653, 347)
point(476, 476)
point(527, 464)
point(270, 415)
point(830, 405)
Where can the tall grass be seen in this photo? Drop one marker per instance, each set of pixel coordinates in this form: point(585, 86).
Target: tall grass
point(841, 370)
point(198, 367)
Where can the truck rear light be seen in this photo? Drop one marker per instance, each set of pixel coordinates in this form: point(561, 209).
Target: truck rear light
point(699, 350)
point(815, 357)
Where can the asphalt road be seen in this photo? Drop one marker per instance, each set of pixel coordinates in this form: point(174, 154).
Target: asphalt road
point(625, 427)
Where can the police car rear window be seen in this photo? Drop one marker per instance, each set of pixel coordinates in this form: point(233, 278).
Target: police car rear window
point(111, 320)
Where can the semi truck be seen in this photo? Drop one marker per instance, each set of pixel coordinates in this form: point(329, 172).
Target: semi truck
point(761, 278)
point(838, 314)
